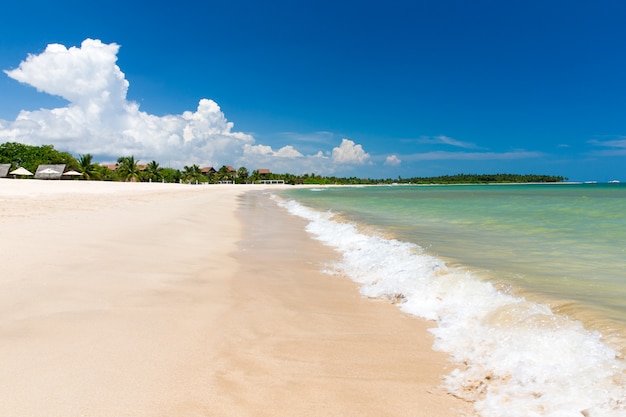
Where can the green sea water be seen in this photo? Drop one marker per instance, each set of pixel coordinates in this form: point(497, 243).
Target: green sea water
point(524, 284)
point(562, 242)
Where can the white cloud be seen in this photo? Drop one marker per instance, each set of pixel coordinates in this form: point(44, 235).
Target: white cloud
point(615, 143)
point(615, 147)
point(80, 74)
point(284, 152)
point(288, 152)
point(251, 150)
point(393, 160)
point(99, 119)
point(349, 153)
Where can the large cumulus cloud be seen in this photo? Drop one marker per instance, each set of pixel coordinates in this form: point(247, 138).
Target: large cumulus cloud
point(81, 75)
point(99, 119)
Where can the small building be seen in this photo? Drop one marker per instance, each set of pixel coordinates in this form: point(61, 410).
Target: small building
point(208, 171)
point(264, 173)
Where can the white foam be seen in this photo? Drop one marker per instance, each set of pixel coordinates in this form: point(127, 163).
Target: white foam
point(514, 358)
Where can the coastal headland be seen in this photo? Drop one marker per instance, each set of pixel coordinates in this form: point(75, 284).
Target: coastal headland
point(136, 299)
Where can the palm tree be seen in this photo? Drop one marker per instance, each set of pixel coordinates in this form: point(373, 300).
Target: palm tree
point(154, 171)
point(192, 173)
point(89, 169)
point(224, 174)
point(242, 174)
point(255, 176)
point(127, 168)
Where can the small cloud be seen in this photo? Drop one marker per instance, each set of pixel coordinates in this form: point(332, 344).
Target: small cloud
point(615, 143)
point(322, 137)
point(349, 153)
point(392, 160)
point(446, 140)
point(257, 150)
point(288, 152)
point(284, 152)
point(613, 147)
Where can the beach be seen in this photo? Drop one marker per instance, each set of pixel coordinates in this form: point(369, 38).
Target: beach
point(523, 283)
point(124, 299)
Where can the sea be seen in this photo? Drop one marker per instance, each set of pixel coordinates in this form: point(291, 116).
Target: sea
point(525, 284)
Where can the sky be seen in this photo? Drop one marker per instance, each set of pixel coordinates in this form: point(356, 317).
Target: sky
point(349, 88)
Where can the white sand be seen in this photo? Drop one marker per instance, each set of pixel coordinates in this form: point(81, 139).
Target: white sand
point(158, 300)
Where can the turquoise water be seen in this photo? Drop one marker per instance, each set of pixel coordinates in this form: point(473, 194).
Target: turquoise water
point(525, 283)
point(565, 241)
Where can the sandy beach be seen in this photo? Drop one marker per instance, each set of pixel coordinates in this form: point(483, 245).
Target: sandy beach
point(178, 300)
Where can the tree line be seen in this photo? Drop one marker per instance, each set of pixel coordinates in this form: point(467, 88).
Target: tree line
point(127, 168)
point(485, 179)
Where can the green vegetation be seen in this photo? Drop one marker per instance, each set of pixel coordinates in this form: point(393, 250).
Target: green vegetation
point(192, 173)
point(88, 168)
point(128, 169)
point(30, 157)
point(445, 179)
point(153, 171)
point(484, 179)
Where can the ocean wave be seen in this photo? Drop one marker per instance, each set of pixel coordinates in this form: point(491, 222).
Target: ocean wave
point(513, 357)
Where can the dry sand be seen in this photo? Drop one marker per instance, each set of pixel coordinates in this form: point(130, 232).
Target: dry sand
point(177, 300)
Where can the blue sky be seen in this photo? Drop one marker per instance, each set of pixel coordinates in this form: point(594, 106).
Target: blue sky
point(373, 89)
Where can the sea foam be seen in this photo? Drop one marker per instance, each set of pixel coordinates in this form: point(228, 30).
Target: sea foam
point(513, 358)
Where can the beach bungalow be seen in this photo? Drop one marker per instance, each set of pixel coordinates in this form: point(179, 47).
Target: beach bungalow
point(208, 171)
point(264, 174)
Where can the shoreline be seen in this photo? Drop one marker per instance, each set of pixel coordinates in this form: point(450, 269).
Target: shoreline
point(330, 350)
point(118, 299)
